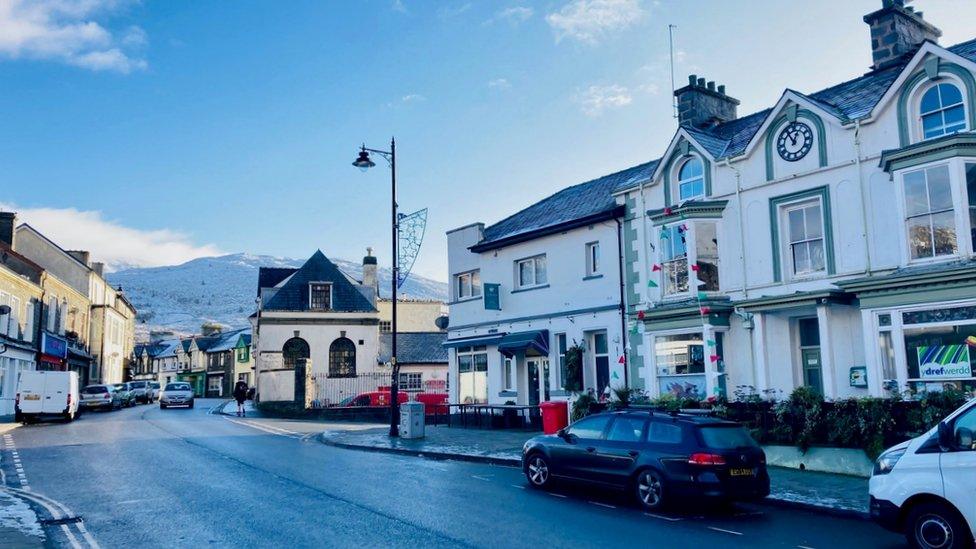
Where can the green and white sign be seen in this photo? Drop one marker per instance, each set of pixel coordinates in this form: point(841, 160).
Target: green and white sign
point(944, 362)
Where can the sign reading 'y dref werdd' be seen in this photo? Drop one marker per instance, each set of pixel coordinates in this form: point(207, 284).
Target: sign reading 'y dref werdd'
point(944, 362)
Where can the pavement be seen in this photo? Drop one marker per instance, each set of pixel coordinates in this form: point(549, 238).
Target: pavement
point(193, 477)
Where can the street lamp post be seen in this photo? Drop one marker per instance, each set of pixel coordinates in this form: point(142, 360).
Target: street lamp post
point(364, 163)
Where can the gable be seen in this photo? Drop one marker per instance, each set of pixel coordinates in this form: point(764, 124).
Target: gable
point(293, 295)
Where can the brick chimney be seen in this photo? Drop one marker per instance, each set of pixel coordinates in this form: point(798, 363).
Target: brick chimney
point(369, 272)
point(98, 267)
point(8, 225)
point(897, 30)
point(82, 256)
point(703, 105)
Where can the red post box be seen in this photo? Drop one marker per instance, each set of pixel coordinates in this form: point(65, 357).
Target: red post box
point(555, 416)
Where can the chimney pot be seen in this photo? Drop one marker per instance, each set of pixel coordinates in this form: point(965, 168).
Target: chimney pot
point(897, 30)
point(721, 89)
point(703, 105)
point(691, 79)
point(711, 85)
point(8, 229)
point(701, 83)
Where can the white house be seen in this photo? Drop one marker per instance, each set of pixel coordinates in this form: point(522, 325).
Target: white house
point(530, 288)
point(827, 241)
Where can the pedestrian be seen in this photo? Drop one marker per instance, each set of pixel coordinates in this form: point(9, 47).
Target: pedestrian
point(240, 395)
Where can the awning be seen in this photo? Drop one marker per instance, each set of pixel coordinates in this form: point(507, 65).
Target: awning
point(535, 340)
point(488, 339)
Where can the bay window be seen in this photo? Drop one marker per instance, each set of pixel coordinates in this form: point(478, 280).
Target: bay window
point(930, 218)
point(674, 261)
point(971, 192)
point(690, 268)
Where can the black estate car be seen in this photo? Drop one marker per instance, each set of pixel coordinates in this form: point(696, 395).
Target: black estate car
point(658, 456)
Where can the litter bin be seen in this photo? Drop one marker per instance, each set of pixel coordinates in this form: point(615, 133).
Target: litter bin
point(555, 416)
point(412, 419)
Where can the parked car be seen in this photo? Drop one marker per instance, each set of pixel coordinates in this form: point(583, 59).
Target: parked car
point(153, 391)
point(926, 487)
point(659, 457)
point(139, 390)
point(124, 394)
point(176, 394)
point(374, 398)
point(100, 397)
point(434, 403)
point(46, 394)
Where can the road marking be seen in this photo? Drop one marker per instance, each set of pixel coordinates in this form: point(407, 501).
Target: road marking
point(519, 486)
point(482, 478)
point(265, 428)
point(607, 505)
point(663, 517)
point(555, 494)
point(733, 532)
point(803, 547)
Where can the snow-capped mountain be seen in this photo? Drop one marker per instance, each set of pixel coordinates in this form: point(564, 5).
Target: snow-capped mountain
point(223, 289)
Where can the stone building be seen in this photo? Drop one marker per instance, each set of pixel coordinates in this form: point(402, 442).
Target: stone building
point(20, 289)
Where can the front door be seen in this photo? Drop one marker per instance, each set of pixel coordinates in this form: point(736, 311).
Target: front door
point(812, 375)
point(538, 380)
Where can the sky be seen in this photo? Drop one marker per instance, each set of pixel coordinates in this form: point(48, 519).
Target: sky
point(157, 131)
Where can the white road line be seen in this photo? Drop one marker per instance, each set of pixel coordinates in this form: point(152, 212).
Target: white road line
point(555, 494)
point(265, 428)
point(607, 505)
point(803, 547)
point(663, 517)
point(80, 525)
point(481, 478)
point(520, 487)
point(733, 532)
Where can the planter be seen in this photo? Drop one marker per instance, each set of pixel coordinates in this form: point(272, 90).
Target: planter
point(843, 461)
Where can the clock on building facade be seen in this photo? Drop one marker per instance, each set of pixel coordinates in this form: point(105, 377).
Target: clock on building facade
point(794, 141)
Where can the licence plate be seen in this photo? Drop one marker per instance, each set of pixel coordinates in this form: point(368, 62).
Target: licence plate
point(32, 397)
point(741, 472)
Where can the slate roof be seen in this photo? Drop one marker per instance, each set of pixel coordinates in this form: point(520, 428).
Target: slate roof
point(167, 348)
point(415, 348)
point(581, 201)
point(227, 341)
point(293, 295)
point(269, 277)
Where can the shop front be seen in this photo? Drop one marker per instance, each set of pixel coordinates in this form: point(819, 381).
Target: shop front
point(54, 352)
point(196, 381)
point(15, 358)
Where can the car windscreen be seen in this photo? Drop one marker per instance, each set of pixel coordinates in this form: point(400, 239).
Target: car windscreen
point(138, 384)
point(119, 386)
point(726, 437)
point(95, 390)
point(178, 387)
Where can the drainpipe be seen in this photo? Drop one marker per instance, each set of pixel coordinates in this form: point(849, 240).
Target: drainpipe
point(865, 212)
point(623, 306)
point(742, 227)
point(643, 244)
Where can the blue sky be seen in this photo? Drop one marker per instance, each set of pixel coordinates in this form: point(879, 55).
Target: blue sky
point(152, 132)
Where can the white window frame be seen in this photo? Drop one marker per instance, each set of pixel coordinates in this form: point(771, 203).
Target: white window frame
point(690, 257)
point(474, 290)
point(957, 177)
point(533, 262)
point(316, 283)
point(508, 373)
point(787, 242)
point(593, 258)
point(407, 380)
point(916, 104)
point(679, 182)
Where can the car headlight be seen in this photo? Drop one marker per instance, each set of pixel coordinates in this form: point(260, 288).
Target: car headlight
point(886, 461)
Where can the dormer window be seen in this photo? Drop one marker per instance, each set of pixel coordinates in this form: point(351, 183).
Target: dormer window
point(942, 111)
point(691, 180)
point(319, 296)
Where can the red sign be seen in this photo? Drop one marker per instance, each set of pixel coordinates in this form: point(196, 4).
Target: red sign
point(436, 384)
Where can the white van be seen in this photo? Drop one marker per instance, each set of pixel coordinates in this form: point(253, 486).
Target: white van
point(926, 487)
point(43, 394)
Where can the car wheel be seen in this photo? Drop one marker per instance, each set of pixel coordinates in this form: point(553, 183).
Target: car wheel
point(191, 404)
point(649, 489)
point(162, 406)
point(936, 526)
point(537, 471)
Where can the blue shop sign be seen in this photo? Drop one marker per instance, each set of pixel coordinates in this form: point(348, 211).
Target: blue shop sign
point(54, 345)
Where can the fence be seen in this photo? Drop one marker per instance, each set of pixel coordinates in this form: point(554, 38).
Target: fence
point(363, 390)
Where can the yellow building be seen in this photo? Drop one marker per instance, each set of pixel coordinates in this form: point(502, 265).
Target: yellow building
point(20, 290)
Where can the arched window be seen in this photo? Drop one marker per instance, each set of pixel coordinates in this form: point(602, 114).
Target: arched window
point(942, 111)
point(294, 349)
point(691, 180)
point(342, 358)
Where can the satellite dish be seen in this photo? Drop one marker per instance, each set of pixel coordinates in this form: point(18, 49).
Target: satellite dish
point(441, 322)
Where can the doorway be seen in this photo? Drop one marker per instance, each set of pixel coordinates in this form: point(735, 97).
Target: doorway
point(538, 368)
point(810, 359)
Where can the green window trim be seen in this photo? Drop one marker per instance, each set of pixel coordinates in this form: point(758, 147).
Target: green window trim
point(932, 150)
point(904, 120)
point(681, 152)
point(790, 116)
point(823, 193)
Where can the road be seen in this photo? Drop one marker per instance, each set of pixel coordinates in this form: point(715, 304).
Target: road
point(188, 478)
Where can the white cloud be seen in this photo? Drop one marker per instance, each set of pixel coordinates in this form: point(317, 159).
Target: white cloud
point(64, 31)
point(449, 12)
point(413, 98)
point(109, 241)
point(595, 99)
point(514, 15)
point(590, 20)
point(499, 84)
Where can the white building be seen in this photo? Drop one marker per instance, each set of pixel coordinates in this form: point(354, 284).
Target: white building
point(827, 241)
point(532, 287)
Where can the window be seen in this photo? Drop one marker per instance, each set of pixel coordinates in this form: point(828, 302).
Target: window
point(473, 374)
point(215, 384)
point(942, 111)
point(674, 260)
point(627, 429)
point(319, 296)
point(805, 237)
point(929, 214)
point(691, 180)
point(293, 349)
point(342, 358)
point(468, 284)
point(963, 428)
point(664, 433)
point(589, 428)
point(971, 191)
point(680, 354)
point(531, 272)
point(706, 255)
point(592, 258)
point(411, 381)
point(601, 359)
point(507, 374)
point(386, 326)
point(561, 354)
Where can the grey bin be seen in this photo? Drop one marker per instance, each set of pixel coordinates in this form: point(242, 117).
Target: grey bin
point(412, 420)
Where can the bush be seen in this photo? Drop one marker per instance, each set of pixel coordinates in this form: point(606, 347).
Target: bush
point(582, 407)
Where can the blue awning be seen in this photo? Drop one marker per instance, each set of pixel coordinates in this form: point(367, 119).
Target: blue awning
point(488, 339)
point(535, 340)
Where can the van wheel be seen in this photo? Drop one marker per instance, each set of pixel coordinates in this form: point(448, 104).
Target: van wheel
point(936, 525)
point(68, 417)
point(649, 489)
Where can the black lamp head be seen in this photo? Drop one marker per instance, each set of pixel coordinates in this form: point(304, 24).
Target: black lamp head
point(363, 162)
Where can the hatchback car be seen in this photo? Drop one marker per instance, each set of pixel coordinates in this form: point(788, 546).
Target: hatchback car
point(139, 390)
point(153, 391)
point(100, 397)
point(125, 393)
point(659, 457)
point(176, 394)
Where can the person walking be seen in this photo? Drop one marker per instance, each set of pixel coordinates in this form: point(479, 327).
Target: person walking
point(240, 395)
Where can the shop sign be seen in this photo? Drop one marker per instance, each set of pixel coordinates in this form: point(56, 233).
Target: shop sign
point(54, 345)
point(859, 376)
point(944, 362)
point(436, 384)
point(492, 297)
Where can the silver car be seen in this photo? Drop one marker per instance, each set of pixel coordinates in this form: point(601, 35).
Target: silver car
point(176, 394)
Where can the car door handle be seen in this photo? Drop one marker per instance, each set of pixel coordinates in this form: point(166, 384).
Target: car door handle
point(590, 449)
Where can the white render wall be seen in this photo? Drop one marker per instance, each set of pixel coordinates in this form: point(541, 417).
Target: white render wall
point(319, 337)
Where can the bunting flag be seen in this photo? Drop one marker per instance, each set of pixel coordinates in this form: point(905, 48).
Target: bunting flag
point(694, 267)
point(655, 268)
point(710, 342)
point(640, 315)
point(621, 360)
point(699, 283)
point(667, 211)
point(682, 228)
point(713, 358)
point(705, 310)
point(702, 295)
point(664, 233)
point(651, 284)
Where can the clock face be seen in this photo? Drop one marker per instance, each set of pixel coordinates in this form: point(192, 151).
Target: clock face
point(794, 142)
